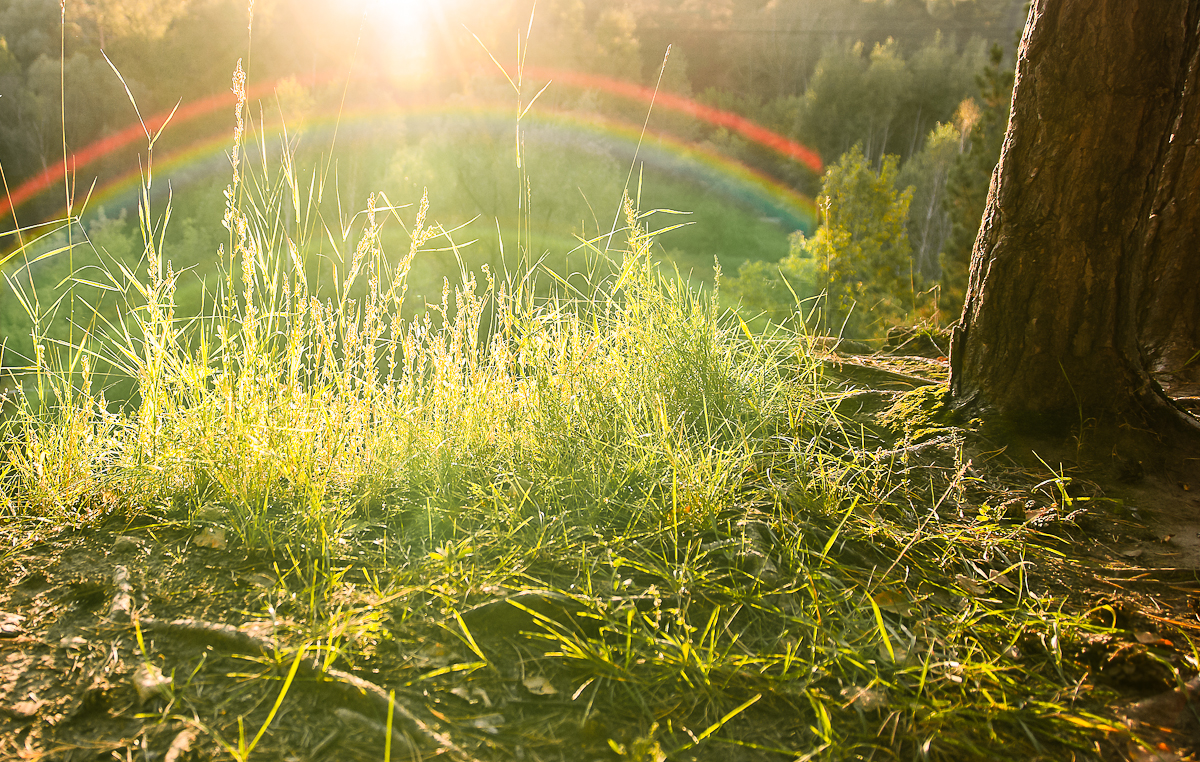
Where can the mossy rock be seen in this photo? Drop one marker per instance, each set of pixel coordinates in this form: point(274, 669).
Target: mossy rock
point(922, 414)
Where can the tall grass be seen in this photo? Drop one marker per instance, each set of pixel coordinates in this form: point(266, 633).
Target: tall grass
point(737, 567)
point(298, 392)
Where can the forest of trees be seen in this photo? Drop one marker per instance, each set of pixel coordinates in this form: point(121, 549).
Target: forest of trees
point(897, 228)
point(906, 103)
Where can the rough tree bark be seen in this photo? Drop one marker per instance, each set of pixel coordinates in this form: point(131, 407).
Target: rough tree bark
point(1083, 283)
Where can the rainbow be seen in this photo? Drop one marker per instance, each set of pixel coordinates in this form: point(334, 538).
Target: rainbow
point(198, 108)
point(721, 174)
point(93, 152)
point(696, 163)
point(752, 131)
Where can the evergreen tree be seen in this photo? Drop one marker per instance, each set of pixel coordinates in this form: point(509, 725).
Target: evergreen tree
point(835, 111)
point(927, 173)
point(883, 100)
point(967, 186)
point(941, 78)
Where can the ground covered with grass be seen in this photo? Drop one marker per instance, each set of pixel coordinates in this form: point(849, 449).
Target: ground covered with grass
point(589, 518)
point(897, 599)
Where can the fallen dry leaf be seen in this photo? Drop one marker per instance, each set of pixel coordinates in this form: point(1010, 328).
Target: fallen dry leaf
point(180, 746)
point(488, 723)
point(1150, 639)
point(1139, 753)
point(213, 537)
point(149, 681)
point(894, 602)
point(10, 625)
point(866, 699)
point(1003, 581)
point(539, 686)
point(472, 695)
point(23, 710)
point(970, 585)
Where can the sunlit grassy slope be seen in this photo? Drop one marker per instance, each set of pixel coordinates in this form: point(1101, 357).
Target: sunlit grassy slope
point(727, 562)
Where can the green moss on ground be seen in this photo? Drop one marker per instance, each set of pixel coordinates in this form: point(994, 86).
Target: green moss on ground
point(923, 414)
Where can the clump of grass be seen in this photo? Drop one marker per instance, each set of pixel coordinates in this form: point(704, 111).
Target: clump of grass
point(735, 567)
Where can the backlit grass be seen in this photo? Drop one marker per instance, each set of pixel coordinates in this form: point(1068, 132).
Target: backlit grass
point(705, 557)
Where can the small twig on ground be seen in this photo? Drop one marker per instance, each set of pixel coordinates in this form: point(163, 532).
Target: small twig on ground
point(351, 687)
point(916, 449)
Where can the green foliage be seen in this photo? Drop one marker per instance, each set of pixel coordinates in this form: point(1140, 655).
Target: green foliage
point(711, 526)
point(8, 62)
point(739, 559)
point(942, 76)
point(837, 105)
point(883, 101)
point(31, 29)
point(969, 179)
point(888, 80)
point(32, 109)
point(862, 248)
point(883, 93)
point(927, 174)
point(859, 257)
point(599, 40)
point(138, 19)
point(114, 238)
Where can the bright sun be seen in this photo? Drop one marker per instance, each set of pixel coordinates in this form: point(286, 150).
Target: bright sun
point(403, 26)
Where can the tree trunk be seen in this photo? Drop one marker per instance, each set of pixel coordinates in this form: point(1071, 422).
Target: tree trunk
point(1083, 283)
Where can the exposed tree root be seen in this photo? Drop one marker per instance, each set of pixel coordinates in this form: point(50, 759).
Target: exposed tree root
point(349, 689)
